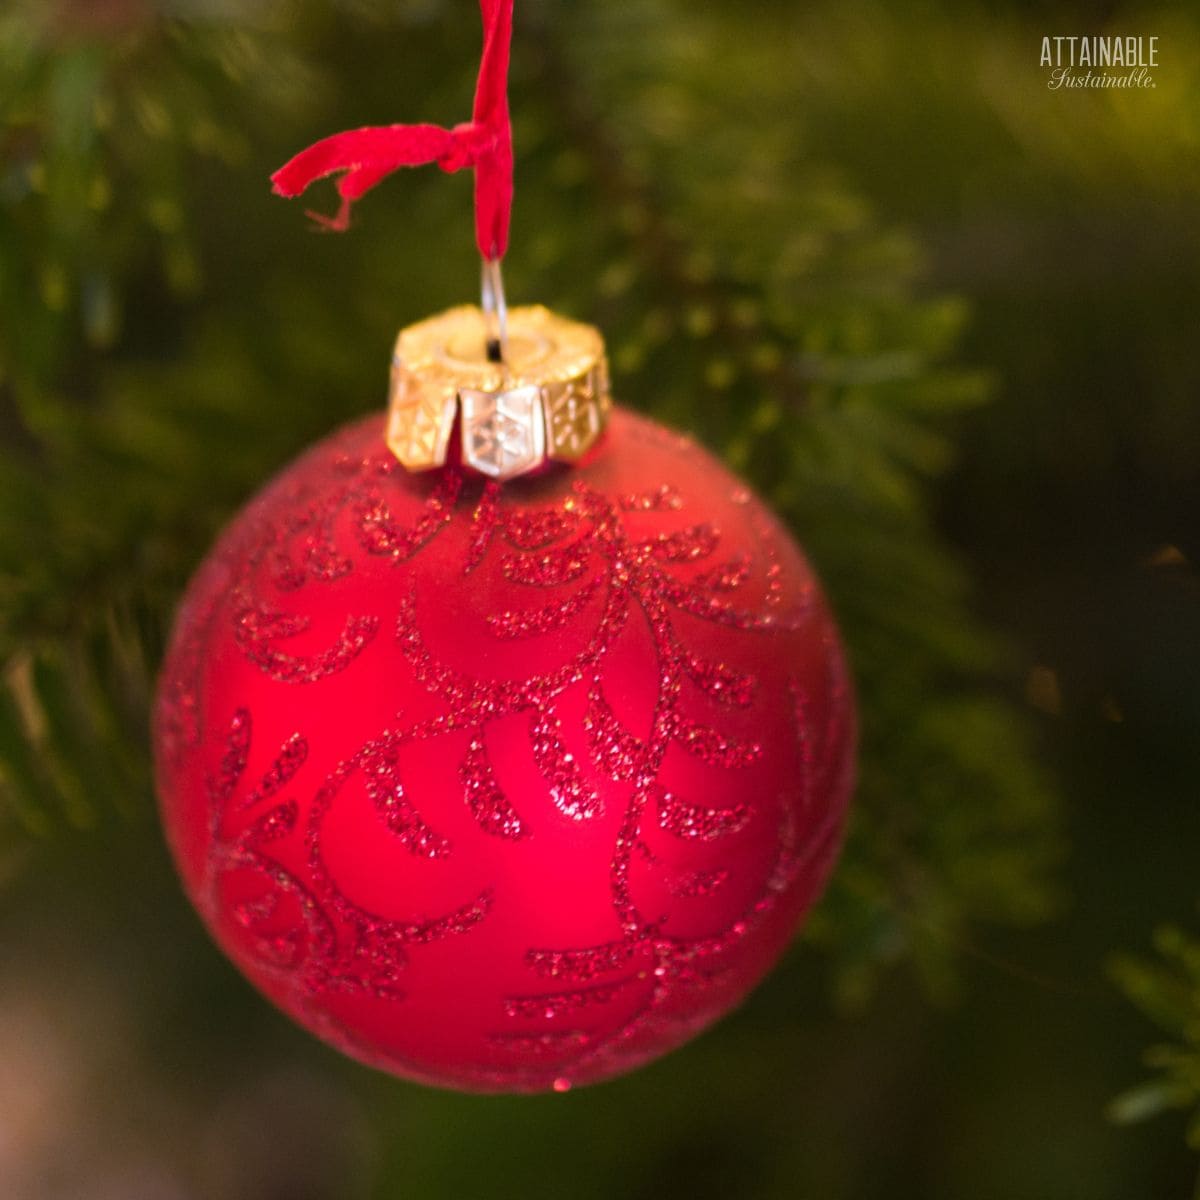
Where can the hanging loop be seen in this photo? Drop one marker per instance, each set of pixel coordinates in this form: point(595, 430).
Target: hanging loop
point(495, 310)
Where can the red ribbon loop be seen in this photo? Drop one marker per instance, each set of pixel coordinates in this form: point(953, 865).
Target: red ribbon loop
point(367, 156)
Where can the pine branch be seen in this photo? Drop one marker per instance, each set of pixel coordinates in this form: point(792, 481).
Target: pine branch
point(730, 317)
point(1167, 990)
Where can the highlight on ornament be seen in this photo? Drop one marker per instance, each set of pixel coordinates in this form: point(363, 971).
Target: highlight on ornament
point(503, 739)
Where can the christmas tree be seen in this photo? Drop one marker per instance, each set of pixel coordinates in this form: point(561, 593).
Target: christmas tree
point(941, 317)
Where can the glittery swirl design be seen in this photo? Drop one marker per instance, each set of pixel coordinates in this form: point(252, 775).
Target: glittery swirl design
point(695, 884)
point(549, 568)
point(552, 1005)
point(386, 790)
point(614, 749)
point(318, 944)
point(588, 564)
point(489, 805)
point(380, 533)
point(585, 964)
point(331, 943)
point(695, 821)
point(290, 759)
point(569, 791)
point(632, 573)
point(514, 624)
point(255, 629)
point(303, 548)
point(714, 747)
point(294, 926)
point(290, 930)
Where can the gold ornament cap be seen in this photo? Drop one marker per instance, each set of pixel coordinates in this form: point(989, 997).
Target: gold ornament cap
point(547, 400)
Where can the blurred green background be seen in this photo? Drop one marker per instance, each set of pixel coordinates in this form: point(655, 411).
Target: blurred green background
point(944, 317)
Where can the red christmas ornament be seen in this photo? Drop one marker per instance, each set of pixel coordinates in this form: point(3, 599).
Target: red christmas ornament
point(501, 786)
point(505, 787)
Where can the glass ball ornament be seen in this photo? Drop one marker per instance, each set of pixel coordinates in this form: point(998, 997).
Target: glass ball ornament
point(504, 785)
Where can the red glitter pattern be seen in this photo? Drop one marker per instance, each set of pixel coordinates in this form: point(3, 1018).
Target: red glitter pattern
point(531, 622)
point(485, 798)
point(254, 630)
point(568, 790)
point(694, 821)
point(387, 793)
point(590, 727)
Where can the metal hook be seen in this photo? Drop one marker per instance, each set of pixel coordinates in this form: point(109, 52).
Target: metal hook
point(495, 310)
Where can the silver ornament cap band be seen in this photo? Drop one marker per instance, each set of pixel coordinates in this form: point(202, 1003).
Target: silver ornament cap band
point(546, 401)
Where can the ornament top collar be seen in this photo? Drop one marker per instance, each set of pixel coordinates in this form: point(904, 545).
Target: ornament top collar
point(547, 401)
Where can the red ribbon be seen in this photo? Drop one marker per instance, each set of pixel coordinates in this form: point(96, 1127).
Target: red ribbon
point(484, 143)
